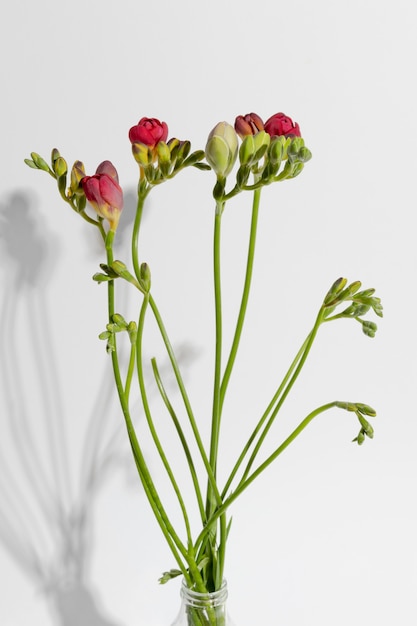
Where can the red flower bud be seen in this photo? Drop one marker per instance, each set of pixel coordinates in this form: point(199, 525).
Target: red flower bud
point(279, 124)
point(148, 131)
point(249, 124)
point(104, 193)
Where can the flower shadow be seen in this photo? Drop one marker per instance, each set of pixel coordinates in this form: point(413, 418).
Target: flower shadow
point(47, 497)
point(45, 515)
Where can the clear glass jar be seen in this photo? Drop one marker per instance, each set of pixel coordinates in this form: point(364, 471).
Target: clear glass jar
point(203, 609)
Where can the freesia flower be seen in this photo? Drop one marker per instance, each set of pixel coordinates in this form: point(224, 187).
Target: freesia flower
point(104, 193)
point(249, 124)
point(148, 131)
point(280, 124)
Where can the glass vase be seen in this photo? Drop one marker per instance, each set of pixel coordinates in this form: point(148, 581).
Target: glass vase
point(203, 609)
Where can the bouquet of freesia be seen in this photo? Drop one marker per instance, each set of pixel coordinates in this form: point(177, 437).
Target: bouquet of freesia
point(243, 159)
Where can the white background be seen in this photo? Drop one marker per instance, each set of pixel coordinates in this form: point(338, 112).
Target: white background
point(328, 534)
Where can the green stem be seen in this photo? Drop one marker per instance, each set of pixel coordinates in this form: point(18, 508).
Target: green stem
point(142, 194)
point(285, 392)
point(245, 296)
point(244, 484)
point(182, 438)
point(130, 371)
point(264, 416)
point(184, 395)
point(143, 471)
point(216, 413)
point(162, 455)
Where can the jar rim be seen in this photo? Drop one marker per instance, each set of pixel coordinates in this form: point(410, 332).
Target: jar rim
point(199, 599)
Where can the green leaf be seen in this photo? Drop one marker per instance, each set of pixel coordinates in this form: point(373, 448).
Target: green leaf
point(166, 576)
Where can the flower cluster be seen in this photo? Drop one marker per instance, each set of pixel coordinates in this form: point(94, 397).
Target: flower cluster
point(244, 157)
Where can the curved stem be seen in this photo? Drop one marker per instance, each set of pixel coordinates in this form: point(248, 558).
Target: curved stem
point(244, 484)
point(130, 370)
point(162, 455)
point(182, 438)
point(142, 193)
point(216, 412)
point(264, 416)
point(245, 296)
point(184, 395)
point(285, 392)
point(142, 468)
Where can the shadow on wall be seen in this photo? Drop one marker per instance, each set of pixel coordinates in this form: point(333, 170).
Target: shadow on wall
point(46, 501)
point(45, 521)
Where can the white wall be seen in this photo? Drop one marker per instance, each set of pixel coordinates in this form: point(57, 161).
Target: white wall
point(328, 534)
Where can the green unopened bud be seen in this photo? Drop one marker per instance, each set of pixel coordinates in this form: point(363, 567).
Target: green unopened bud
point(145, 276)
point(119, 321)
point(335, 289)
point(247, 150)
point(132, 331)
point(365, 409)
point(366, 427)
point(173, 145)
point(276, 150)
point(196, 157)
point(369, 328)
point(360, 438)
point(163, 151)
point(60, 167)
point(120, 269)
point(142, 154)
point(261, 141)
point(183, 150)
point(77, 174)
point(304, 154)
point(40, 163)
point(55, 154)
point(294, 148)
point(222, 149)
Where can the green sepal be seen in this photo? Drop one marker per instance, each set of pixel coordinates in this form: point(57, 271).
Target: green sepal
point(219, 189)
point(182, 153)
point(80, 202)
point(242, 175)
point(31, 164)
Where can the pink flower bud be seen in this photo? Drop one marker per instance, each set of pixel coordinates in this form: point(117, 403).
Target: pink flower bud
point(280, 124)
point(148, 131)
point(104, 193)
point(249, 124)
